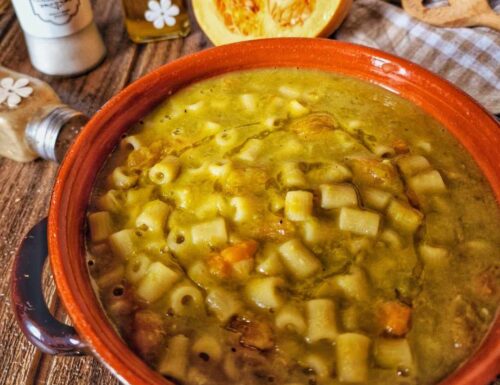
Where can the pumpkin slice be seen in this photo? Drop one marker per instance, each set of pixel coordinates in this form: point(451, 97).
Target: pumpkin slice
point(229, 21)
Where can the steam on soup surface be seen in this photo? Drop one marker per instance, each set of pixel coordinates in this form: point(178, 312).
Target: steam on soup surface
point(294, 227)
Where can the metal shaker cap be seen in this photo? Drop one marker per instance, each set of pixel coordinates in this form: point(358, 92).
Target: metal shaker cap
point(44, 134)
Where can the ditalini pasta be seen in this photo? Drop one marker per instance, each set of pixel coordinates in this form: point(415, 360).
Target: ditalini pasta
point(294, 227)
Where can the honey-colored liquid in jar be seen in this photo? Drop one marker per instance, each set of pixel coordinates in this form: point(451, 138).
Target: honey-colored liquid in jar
point(152, 20)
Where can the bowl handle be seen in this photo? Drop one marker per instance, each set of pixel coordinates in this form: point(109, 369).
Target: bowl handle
point(28, 302)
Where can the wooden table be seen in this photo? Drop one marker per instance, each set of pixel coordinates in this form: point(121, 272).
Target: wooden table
point(25, 188)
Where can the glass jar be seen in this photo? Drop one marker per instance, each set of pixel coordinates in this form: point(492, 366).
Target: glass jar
point(153, 20)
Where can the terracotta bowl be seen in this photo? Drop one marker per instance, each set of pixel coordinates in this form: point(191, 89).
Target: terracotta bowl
point(461, 115)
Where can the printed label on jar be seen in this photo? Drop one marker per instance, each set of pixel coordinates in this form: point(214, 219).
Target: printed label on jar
point(53, 18)
point(58, 12)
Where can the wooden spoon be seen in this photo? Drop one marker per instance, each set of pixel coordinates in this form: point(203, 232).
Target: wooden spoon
point(459, 13)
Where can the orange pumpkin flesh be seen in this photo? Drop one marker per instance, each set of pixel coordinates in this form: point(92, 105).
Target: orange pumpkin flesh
point(229, 21)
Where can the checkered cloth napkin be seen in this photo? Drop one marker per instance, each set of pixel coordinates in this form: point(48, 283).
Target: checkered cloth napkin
point(467, 57)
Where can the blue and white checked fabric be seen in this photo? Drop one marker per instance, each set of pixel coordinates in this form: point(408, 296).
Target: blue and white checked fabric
point(467, 57)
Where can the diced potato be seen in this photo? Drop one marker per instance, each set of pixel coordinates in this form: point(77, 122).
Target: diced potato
point(158, 279)
point(212, 232)
point(359, 221)
point(334, 196)
point(404, 217)
point(298, 205)
point(123, 243)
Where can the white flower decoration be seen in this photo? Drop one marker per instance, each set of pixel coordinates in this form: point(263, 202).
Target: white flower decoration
point(162, 12)
point(12, 92)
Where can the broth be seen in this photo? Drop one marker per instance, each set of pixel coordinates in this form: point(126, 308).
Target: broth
point(293, 226)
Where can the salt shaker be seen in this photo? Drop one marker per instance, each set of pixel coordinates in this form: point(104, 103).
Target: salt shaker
point(33, 120)
point(61, 35)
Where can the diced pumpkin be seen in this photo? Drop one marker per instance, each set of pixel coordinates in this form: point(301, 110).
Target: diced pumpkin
point(394, 317)
point(240, 251)
point(229, 21)
point(233, 260)
point(374, 173)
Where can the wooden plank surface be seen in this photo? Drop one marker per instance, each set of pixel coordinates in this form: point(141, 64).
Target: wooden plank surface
point(25, 188)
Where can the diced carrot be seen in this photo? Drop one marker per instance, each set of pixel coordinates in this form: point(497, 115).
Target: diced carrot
point(222, 265)
point(219, 267)
point(395, 318)
point(240, 251)
point(400, 146)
